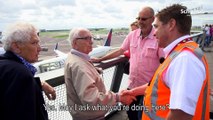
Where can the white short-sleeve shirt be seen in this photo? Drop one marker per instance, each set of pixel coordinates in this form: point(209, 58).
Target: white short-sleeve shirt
point(184, 77)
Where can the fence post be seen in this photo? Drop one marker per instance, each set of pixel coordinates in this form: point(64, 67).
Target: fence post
point(203, 40)
point(117, 76)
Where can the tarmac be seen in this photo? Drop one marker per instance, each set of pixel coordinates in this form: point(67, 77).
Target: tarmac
point(209, 54)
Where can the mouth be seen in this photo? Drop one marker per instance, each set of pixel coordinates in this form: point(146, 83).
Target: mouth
point(37, 55)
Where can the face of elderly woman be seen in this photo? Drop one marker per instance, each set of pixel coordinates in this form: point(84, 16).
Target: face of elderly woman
point(29, 50)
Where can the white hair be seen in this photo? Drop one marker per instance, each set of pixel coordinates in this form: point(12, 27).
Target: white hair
point(76, 33)
point(17, 32)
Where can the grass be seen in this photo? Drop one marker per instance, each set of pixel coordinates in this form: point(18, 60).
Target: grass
point(63, 34)
point(55, 34)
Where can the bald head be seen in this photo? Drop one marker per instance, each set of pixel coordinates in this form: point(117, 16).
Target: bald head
point(148, 10)
point(81, 40)
point(77, 33)
point(145, 19)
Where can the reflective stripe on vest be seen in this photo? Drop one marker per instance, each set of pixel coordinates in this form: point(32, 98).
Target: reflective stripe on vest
point(152, 92)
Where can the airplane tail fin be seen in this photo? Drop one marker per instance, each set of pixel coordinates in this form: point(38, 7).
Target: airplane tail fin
point(56, 46)
point(59, 53)
point(108, 40)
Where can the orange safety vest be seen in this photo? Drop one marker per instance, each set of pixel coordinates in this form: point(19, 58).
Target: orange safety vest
point(157, 94)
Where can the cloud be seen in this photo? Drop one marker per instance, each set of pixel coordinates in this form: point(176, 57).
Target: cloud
point(55, 3)
point(65, 14)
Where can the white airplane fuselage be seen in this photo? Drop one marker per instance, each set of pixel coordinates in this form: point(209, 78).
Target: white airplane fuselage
point(99, 51)
point(50, 64)
point(58, 62)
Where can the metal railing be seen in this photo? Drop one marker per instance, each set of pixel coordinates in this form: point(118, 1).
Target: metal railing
point(58, 108)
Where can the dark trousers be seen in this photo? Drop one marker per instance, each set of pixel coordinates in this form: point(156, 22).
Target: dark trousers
point(135, 111)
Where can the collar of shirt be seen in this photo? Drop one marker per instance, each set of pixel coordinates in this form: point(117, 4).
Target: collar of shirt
point(2, 51)
point(30, 67)
point(150, 36)
point(168, 49)
point(80, 54)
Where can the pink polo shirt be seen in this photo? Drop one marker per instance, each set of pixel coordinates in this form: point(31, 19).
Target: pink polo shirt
point(144, 57)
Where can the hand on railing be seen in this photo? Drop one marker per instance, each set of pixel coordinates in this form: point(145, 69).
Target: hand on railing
point(95, 60)
point(48, 90)
point(100, 70)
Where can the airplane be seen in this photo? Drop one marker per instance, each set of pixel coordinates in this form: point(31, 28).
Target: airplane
point(97, 37)
point(102, 50)
point(99, 51)
point(58, 62)
point(203, 13)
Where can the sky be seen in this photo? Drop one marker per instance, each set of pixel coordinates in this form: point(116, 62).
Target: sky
point(66, 14)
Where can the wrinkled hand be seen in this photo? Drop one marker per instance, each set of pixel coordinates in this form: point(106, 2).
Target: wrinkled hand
point(128, 92)
point(49, 91)
point(100, 70)
point(126, 99)
point(95, 60)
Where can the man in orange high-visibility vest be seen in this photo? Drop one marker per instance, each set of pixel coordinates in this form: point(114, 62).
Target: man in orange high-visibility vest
point(179, 89)
point(185, 74)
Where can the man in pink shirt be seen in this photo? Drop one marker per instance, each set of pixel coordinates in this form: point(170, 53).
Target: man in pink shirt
point(144, 54)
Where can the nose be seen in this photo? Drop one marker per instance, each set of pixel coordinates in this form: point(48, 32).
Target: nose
point(91, 42)
point(154, 33)
point(39, 48)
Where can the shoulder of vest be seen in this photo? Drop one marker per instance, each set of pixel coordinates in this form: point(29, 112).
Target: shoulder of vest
point(190, 46)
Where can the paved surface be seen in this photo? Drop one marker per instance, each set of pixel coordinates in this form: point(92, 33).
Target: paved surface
point(209, 54)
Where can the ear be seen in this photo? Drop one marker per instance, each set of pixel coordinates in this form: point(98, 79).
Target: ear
point(172, 24)
point(74, 44)
point(15, 48)
point(152, 19)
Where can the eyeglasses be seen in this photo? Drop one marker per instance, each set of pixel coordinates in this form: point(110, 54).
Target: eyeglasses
point(143, 19)
point(85, 38)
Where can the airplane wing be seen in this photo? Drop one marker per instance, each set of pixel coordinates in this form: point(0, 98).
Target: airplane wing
point(59, 53)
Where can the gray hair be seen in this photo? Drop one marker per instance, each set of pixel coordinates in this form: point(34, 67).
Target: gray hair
point(76, 33)
point(18, 32)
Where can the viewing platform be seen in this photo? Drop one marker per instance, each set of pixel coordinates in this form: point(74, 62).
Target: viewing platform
point(114, 79)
